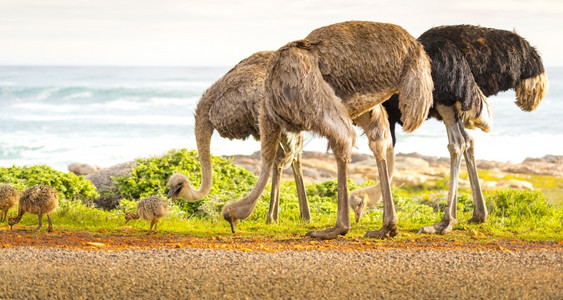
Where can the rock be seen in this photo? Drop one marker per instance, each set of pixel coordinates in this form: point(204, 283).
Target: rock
point(489, 185)
point(552, 159)
point(356, 157)
point(409, 178)
point(103, 182)
point(405, 162)
point(82, 169)
point(411, 168)
point(515, 184)
point(102, 178)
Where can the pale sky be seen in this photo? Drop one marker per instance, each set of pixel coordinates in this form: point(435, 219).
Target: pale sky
point(223, 32)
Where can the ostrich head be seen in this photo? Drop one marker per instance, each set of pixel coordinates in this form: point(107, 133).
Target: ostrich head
point(228, 215)
point(357, 203)
point(361, 199)
point(13, 221)
point(238, 210)
point(180, 187)
point(130, 216)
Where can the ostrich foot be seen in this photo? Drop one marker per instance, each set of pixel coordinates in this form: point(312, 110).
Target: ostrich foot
point(442, 227)
point(328, 234)
point(385, 232)
point(477, 218)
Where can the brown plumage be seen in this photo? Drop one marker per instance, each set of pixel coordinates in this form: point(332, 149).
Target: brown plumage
point(231, 107)
point(152, 208)
point(338, 75)
point(37, 200)
point(9, 196)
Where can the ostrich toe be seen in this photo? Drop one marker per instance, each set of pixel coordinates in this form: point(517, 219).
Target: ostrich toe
point(385, 232)
point(328, 234)
point(442, 227)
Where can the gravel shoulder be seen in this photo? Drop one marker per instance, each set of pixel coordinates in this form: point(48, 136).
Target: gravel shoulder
point(33, 273)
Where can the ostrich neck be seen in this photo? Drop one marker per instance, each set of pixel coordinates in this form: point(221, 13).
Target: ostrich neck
point(203, 137)
point(18, 218)
point(248, 203)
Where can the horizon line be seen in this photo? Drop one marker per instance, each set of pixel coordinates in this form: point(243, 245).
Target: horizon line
point(144, 66)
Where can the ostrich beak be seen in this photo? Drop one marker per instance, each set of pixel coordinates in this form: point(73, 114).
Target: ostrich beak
point(358, 213)
point(233, 225)
point(173, 193)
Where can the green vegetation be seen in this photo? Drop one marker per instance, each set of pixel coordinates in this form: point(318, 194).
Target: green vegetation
point(513, 214)
point(69, 185)
point(150, 176)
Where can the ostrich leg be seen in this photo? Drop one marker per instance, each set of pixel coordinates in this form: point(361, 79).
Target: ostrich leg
point(273, 211)
point(288, 152)
point(390, 219)
point(456, 147)
point(343, 218)
point(372, 194)
point(341, 137)
point(376, 126)
point(50, 228)
point(301, 194)
point(40, 216)
point(480, 210)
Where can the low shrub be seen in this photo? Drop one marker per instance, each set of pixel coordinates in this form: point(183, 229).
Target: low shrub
point(69, 185)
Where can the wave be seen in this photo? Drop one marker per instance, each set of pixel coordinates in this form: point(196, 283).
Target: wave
point(81, 95)
point(137, 104)
point(103, 150)
point(118, 104)
point(56, 95)
point(149, 119)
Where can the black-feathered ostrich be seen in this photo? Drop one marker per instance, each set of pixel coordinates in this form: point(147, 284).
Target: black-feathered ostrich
point(469, 64)
point(338, 75)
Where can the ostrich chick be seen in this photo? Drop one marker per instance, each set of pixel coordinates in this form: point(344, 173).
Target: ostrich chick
point(363, 199)
point(151, 208)
point(9, 196)
point(37, 200)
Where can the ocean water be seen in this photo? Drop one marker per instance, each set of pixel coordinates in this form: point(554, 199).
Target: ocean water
point(107, 115)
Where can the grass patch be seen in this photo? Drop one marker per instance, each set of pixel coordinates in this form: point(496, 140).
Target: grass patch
point(513, 214)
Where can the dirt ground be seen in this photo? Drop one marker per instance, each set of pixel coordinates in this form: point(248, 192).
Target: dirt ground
point(115, 241)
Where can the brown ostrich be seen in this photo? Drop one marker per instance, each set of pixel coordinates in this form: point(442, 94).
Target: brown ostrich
point(231, 107)
point(469, 64)
point(9, 196)
point(151, 208)
point(338, 75)
point(37, 200)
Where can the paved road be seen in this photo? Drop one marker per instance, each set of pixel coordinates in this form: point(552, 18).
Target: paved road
point(30, 273)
